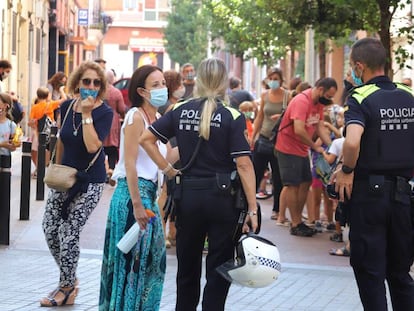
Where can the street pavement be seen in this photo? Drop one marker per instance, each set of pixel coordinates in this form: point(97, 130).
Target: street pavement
point(311, 279)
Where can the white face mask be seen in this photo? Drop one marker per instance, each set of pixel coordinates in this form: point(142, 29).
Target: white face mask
point(179, 93)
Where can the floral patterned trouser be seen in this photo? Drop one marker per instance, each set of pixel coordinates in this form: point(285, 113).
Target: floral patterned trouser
point(62, 236)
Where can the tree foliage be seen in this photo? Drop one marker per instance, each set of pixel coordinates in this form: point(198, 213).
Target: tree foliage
point(267, 29)
point(249, 29)
point(186, 34)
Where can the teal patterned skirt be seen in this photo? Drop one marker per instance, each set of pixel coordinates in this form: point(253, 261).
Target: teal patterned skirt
point(132, 281)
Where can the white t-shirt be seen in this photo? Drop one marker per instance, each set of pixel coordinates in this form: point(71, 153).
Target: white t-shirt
point(336, 146)
point(145, 167)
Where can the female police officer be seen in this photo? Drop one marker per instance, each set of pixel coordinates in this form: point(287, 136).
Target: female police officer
point(204, 209)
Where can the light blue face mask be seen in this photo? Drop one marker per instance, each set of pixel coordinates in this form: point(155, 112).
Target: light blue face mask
point(159, 97)
point(358, 81)
point(85, 93)
point(273, 84)
point(190, 76)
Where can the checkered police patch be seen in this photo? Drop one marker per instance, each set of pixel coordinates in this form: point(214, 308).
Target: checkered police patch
point(270, 263)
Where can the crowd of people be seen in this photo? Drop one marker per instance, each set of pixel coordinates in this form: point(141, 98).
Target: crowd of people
point(198, 129)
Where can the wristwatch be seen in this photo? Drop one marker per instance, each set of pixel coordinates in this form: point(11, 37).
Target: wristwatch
point(252, 213)
point(87, 121)
point(347, 170)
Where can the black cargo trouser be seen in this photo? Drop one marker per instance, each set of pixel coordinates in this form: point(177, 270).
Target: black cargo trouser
point(382, 242)
point(203, 211)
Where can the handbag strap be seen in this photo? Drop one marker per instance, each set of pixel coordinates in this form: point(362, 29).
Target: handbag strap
point(94, 158)
point(285, 99)
point(63, 122)
point(196, 150)
point(97, 152)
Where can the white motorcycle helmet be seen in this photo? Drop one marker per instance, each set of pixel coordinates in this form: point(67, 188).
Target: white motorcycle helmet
point(257, 262)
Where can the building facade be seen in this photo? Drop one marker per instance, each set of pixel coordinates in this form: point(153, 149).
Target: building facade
point(135, 36)
point(41, 37)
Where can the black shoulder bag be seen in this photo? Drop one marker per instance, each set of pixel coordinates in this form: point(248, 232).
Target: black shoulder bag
point(173, 185)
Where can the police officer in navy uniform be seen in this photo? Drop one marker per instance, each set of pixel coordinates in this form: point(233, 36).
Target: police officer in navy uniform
point(378, 160)
point(205, 206)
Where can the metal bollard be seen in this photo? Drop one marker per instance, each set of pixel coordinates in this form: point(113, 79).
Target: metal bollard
point(5, 179)
point(53, 139)
point(41, 162)
point(25, 180)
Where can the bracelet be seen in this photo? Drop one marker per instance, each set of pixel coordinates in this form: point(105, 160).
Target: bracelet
point(167, 169)
point(87, 121)
point(252, 213)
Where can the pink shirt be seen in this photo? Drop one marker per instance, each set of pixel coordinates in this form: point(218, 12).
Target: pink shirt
point(116, 102)
point(301, 107)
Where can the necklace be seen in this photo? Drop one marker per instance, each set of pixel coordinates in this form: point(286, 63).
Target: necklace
point(75, 127)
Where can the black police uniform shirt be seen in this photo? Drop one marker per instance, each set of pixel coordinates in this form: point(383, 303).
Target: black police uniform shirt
point(386, 111)
point(227, 140)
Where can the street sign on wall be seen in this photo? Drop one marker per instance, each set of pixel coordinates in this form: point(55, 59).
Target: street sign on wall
point(83, 17)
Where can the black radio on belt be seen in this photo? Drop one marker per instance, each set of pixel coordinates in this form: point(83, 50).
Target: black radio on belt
point(402, 192)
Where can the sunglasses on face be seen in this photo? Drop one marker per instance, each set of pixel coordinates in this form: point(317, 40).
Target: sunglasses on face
point(87, 82)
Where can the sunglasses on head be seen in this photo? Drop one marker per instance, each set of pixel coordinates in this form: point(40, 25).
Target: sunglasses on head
point(87, 82)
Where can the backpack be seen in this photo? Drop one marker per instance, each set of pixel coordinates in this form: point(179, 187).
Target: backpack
point(323, 169)
point(44, 125)
point(17, 112)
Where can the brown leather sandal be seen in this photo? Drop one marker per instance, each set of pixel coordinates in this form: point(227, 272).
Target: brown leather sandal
point(60, 297)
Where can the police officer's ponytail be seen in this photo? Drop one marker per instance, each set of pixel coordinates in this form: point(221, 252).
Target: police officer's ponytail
point(212, 82)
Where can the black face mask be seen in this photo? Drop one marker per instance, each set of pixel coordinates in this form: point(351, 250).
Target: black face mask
point(324, 101)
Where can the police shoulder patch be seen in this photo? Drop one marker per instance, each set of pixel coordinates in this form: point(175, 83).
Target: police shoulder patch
point(180, 103)
point(404, 87)
point(362, 92)
point(234, 112)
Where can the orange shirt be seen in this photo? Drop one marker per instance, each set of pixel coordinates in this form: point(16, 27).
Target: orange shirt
point(44, 107)
point(249, 127)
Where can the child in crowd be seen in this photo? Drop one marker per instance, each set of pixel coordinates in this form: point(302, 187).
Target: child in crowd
point(42, 106)
point(7, 126)
point(248, 108)
point(318, 187)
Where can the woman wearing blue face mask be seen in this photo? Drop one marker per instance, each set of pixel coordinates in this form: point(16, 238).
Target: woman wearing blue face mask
point(272, 102)
point(86, 121)
point(134, 281)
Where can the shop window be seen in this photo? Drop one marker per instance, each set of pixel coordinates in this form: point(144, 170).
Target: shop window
point(130, 4)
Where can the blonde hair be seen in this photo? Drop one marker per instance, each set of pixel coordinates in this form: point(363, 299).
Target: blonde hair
point(246, 105)
point(212, 82)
